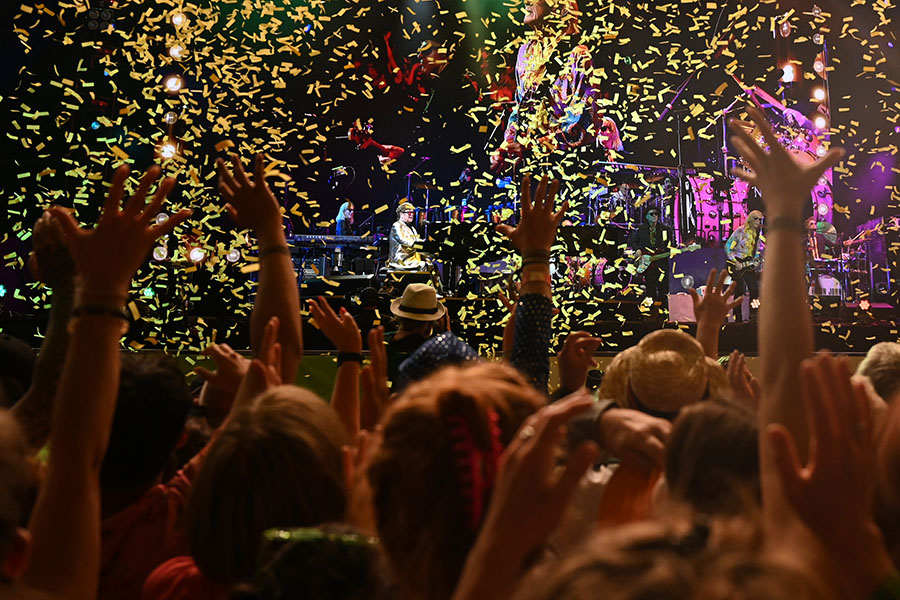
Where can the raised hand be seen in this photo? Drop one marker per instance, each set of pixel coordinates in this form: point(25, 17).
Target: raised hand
point(250, 202)
point(108, 256)
point(230, 368)
point(714, 305)
point(833, 492)
point(264, 371)
point(577, 358)
point(538, 224)
point(635, 437)
point(50, 261)
point(342, 331)
point(784, 183)
point(743, 383)
point(375, 393)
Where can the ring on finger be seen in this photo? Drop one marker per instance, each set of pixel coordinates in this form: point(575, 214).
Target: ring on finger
point(526, 433)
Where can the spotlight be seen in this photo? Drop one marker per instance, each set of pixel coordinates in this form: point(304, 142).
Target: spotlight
point(818, 39)
point(785, 29)
point(160, 253)
point(819, 66)
point(819, 94)
point(161, 218)
point(822, 209)
point(170, 117)
point(178, 19)
point(148, 292)
point(173, 83)
point(820, 122)
point(864, 304)
point(177, 52)
point(233, 255)
point(754, 303)
point(197, 254)
point(687, 282)
point(788, 74)
point(168, 150)
point(95, 125)
point(821, 151)
point(816, 10)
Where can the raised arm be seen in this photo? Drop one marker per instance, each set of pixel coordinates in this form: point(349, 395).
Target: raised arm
point(533, 238)
point(50, 264)
point(251, 204)
point(785, 325)
point(65, 524)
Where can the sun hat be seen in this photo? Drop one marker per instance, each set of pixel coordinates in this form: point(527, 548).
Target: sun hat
point(418, 302)
point(664, 372)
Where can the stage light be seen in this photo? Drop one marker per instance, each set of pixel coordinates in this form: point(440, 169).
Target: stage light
point(170, 117)
point(168, 150)
point(882, 287)
point(161, 218)
point(816, 10)
point(178, 19)
point(819, 94)
point(819, 66)
point(233, 255)
point(687, 282)
point(822, 209)
point(173, 83)
point(785, 29)
point(160, 253)
point(788, 73)
point(820, 122)
point(95, 125)
point(148, 292)
point(2, 290)
point(864, 304)
point(754, 303)
point(821, 151)
point(818, 39)
point(177, 51)
point(197, 254)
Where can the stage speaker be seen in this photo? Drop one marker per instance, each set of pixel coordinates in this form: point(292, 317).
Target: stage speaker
point(338, 285)
point(690, 269)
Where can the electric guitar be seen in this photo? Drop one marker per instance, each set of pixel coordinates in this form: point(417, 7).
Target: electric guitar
point(642, 263)
point(737, 266)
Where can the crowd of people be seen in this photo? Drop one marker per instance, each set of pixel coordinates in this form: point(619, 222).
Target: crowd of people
point(432, 473)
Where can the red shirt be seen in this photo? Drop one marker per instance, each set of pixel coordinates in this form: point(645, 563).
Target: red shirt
point(180, 579)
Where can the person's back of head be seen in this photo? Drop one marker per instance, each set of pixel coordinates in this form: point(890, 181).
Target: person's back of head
point(677, 560)
point(882, 366)
point(276, 464)
point(329, 562)
point(712, 458)
point(432, 474)
point(151, 410)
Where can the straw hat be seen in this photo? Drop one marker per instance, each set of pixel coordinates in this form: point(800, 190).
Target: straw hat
point(666, 371)
point(419, 302)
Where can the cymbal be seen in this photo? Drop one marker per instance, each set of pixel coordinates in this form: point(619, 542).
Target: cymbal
point(827, 230)
point(426, 186)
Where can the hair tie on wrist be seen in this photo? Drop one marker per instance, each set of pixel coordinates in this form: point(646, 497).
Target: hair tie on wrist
point(274, 250)
point(343, 357)
point(786, 223)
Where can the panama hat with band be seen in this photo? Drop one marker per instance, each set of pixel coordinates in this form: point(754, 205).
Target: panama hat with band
point(419, 302)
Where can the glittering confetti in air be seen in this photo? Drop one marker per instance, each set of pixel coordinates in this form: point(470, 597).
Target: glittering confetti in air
point(376, 101)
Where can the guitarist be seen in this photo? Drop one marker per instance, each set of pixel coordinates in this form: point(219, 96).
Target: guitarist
point(653, 237)
point(744, 253)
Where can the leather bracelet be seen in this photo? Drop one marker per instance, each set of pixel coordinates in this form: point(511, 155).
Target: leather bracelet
point(100, 310)
point(343, 357)
point(786, 223)
point(274, 250)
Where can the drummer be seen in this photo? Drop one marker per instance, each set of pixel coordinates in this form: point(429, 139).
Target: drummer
point(821, 238)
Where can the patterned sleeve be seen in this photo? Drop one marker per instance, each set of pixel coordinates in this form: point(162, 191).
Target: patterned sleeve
point(531, 339)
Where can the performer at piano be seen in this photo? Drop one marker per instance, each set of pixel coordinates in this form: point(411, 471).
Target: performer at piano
point(653, 237)
point(402, 255)
point(345, 219)
point(743, 250)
